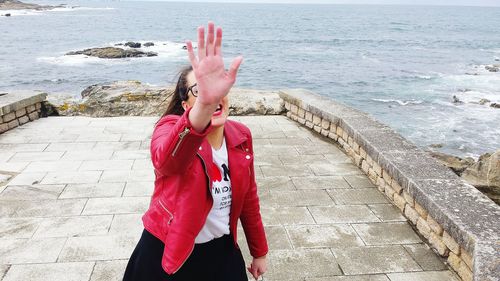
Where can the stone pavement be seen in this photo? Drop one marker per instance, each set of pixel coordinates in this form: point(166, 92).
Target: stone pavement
point(79, 185)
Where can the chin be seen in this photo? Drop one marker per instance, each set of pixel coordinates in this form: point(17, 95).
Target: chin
point(217, 122)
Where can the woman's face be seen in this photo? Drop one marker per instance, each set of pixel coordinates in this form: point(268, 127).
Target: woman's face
point(220, 115)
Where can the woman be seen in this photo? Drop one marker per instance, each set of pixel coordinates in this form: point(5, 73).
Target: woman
point(204, 182)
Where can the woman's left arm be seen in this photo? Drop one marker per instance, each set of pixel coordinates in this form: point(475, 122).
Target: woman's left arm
point(251, 221)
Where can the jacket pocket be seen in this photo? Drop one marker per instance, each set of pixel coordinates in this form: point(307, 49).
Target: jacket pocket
point(169, 215)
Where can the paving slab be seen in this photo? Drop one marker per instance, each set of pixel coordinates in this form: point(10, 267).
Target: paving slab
point(386, 212)
point(90, 190)
point(109, 270)
point(20, 251)
point(386, 233)
point(73, 271)
point(423, 276)
point(73, 226)
point(425, 257)
point(323, 236)
point(357, 196)
point(80, 185)
point(368, 277)
point(323, 182)
point(377, 259)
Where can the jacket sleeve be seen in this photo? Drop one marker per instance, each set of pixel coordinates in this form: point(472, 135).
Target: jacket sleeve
point(174, 144)
point(251, 219)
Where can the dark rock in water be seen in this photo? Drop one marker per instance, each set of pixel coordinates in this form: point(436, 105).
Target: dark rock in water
point(436, 145)
point(133, 44)
point(495, 105)
point(492, 68)
point(7, 15)
point(119, 44)
point(149, 44)
point(456, 100)
point(184, 47)
point(469, 73)
point(483, 101)
point(112, 53)
point(464, 90)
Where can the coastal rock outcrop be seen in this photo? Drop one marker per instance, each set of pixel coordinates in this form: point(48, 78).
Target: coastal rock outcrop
point(133, 44)
point(457, 164)
point(493, 68)
point(133, 98)
point(113, 53)
point(483, 174)
point(18, 5)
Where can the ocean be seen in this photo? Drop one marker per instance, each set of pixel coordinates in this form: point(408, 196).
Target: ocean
point(401, 64)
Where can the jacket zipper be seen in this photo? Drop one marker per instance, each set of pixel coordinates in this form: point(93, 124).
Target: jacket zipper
point(208, 179)
point(181, 137)
point(169, 213)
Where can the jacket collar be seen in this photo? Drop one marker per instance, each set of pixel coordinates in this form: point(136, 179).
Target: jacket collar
point(234, 137)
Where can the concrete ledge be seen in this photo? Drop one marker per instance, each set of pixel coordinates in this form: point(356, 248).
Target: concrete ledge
point(13, 101)
point(18, 108)
point(457, 220)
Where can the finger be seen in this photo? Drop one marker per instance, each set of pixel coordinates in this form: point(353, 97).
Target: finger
point(192, 57)
point(235, 65)
point(253, 272)
point(210, 39)
point(218, 42)
point(201, 43)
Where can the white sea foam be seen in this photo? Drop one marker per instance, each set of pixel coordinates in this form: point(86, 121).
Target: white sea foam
point(79, 60)
point(400, 102)
point(77, 8)
point(29, 12)
point(15, 13)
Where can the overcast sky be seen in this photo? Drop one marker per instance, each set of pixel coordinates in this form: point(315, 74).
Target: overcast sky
point(400, 2)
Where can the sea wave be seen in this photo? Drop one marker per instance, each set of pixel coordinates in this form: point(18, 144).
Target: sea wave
point(400, 102)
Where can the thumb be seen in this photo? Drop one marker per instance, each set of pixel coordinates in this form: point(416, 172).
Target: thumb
point(235, 65)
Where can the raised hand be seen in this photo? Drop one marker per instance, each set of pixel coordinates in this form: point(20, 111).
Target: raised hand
point(214, 82)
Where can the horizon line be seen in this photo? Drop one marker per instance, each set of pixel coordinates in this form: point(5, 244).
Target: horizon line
point(315, 3)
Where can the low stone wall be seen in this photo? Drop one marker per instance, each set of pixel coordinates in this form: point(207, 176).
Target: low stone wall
point(18, 108)
point(458, 221)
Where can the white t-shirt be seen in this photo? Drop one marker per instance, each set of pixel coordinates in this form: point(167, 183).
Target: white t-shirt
point(217, 223)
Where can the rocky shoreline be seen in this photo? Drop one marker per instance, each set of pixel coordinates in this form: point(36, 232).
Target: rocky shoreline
point(133, 98)
point(484, 173)
point(18, 5)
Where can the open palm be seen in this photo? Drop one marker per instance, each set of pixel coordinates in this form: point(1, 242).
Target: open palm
point(214, 82)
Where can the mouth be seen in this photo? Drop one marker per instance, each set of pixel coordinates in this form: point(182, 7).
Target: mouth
point(218, 111)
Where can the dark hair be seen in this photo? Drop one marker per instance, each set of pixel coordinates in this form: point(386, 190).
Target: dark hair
point(179, 94)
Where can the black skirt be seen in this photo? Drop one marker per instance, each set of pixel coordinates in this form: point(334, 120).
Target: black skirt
point(216, 260)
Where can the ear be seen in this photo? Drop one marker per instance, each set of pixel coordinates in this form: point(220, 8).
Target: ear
point(184, 105)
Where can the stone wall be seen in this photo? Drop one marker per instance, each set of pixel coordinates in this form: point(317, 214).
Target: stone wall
point(19, 108)
point(458, 222)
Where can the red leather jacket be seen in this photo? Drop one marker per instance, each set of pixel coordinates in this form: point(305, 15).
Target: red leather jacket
point(182, 199)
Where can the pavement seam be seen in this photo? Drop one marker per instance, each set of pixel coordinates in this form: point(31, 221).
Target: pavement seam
point(92, 272)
